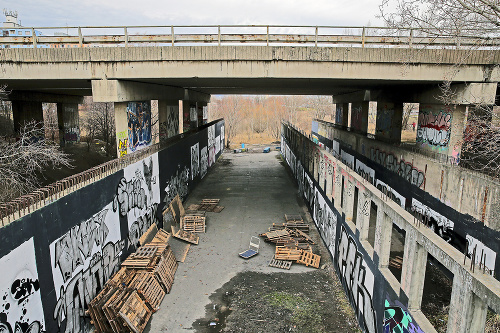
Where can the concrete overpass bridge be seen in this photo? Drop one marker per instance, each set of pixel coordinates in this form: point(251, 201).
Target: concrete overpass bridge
point(398, 71)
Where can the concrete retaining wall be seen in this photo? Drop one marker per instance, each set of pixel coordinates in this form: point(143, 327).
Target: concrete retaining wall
point(55, 260)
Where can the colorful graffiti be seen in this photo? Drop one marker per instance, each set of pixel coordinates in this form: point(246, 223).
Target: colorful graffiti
point(122, 143)
point(398, 320)
point(434, 128)
point(401, 168)
point(139, 125)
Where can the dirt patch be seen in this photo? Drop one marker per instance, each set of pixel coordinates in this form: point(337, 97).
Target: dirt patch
point(277, 302)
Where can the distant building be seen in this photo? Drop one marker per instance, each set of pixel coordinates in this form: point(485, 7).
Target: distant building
point(13, 28)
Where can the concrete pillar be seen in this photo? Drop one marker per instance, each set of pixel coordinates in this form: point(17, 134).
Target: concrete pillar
point(413, 271)
point(25, 111)
point(189, 115)
point(121, 124)
point(68, 123)
point(168, 118)
point(342, 114)
point(201, 108)
point(359, 117)
point(383, 233)
point(467, 311)
point(363, 213)
point(389, 122)
point(441, 128)
point(348, 204)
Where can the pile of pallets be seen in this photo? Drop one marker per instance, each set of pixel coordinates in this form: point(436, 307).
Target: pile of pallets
point(293, 244)
point(130, 297)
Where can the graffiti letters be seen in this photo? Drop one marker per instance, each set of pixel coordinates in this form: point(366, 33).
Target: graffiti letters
point(440, 224)
point(326, 221)
point(141, 225)
point(401, 168)
point(195, 160)
point(347, 159)
point(391, 193)
point(484, 255)
point(211, 156)
point(365, 171)
point(139, 125)
point(203, 162)
point(434, 129)
point(397, 319)
point(129, 195)
point(178, 184)
point(357, 279)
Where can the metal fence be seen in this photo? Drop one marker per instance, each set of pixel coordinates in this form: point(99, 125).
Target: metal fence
point(242, 34)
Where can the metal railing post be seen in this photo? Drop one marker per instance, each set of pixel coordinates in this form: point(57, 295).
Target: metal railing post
point(218, 29)
point(410, 42)
point(316, 37)
point(33, 35)
point(363, 38)
point(80, 37)
point(267, 38)
point(173, 36)
point(126, 35)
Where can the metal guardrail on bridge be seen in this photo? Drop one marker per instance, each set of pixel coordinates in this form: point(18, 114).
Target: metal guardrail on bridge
point(250, 34)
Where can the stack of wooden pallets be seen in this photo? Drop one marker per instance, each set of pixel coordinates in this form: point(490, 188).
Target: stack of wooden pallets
point(130, 297)
point(293, 244)
point(193, 223)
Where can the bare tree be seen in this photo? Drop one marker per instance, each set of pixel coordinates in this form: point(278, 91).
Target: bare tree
point(99, 123)
point(229, 108)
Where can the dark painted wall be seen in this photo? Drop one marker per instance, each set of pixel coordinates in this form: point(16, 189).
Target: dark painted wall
point(55, 260)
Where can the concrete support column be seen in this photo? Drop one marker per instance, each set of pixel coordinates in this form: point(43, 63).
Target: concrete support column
point(383, 232)
point(342, 114)
point(389, 122)
point(68, 123)
point(467, 311)
point(201, 108)
point(363, 213)
point(413, 271)
point(359, 117)
point(121, 124)
point(189, 115)
point(348, 199)
point(441, 128)
point(24, 112)
point(168, 118)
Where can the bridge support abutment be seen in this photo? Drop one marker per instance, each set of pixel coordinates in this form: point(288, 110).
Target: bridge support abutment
point(359, 117)
point(26, 111)
point(342, 115)
point(168, 118)
point(133, 126)
point(68, 123)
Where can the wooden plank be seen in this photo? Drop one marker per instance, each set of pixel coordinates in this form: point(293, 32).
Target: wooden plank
point(135, 313)
point(306, 236)
point(193, 224)
point(283, 264)
point(185, 235)
point(149, 287)
point(309, 259)
point(148, 235)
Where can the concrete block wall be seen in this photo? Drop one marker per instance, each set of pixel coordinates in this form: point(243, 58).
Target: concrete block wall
point(463, 203)
point(372, 289)
point(57, 258)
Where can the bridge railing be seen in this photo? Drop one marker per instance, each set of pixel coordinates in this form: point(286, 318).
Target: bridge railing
point(86, 36)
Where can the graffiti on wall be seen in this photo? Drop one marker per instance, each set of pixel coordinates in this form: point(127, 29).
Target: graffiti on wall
point(347, 159)
point(484, 255)
point(365, 171)
point(211, 156)
point(217, 145)
point(20, 300)
point(397, 319)
point(358, 279)
point(211, 135)
point(139, 125)
point(195, 160)
point(222, 137)
point(434, 128)
point(401, 168)
point(83, 259)
point(138, 197)
point(385, 113)
point(170, 127)
point(203, 162)
point(122, 143)
point(326, 221)
point(438, 223)
point(177, 184)
point(391, 193)
point(358, 121)
point(72, 134)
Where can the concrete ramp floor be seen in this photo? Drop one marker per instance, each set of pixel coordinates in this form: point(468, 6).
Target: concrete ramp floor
point(217, 291)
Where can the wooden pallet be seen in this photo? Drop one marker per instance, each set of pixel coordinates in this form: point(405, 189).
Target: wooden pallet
point(194, 207)
point(185, 236)
point(305, 236)
point(302, 226)
point(135, 313)
point(208, 204)
point(193, 223)
point(161, 237)
point(195, 213)
point(283, 264)
point(293, 218)
point(396, 262)
point(276, 235)
point(147, 251)
point(112, 307)
point(148, 235)
point(149, 288)
point(96, 312)
point(309, 259)
point(217, 209)
point(285, 253)
point(165, 271)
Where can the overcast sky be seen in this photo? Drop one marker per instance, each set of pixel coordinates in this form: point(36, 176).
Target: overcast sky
point(45, 13)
